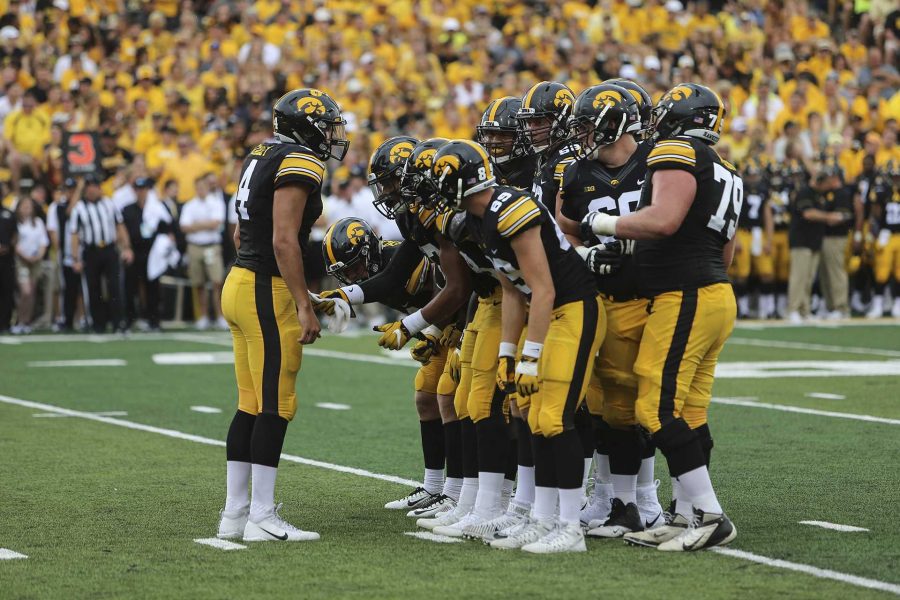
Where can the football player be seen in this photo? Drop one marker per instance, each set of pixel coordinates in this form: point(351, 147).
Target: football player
point(685, 229)
point(404, 279)
point(267, 305)
point(885, 201)
point(776, 256)
point(501, 135)
point(539, 271)
point(750, 253)
point(608, 177)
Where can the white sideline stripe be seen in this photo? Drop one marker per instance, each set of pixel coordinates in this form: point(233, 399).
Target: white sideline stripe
point(742, 341)
point(872, 584)
point(805, 411)
point(220, 544)
point(825, 396)
point(757, 324)
point(211, 410)
point(7, 554)
point(199, 439)
point(107, 413)
point(333, 405)
point(87, 362)
point(432, 537)
point(814, 571)
point(834, 526)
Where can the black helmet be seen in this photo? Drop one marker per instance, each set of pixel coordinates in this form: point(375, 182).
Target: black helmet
point(607, 111)
point(552, 102)
point(499, 131)
point(645, 102)
point(310, 117)
point(385, 169)
point(461, 168)
point(689, 109)
point(348, 243)
point(415, 183)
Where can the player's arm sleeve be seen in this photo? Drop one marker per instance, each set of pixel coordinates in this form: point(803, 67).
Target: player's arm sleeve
point(517, 216)
point(672, 154)
point(566, 188)
point(300, 167)
point(396, 275)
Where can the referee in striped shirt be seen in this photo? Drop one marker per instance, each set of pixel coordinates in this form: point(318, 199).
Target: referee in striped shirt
point(98, 235)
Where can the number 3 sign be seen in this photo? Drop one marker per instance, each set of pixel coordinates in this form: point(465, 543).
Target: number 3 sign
point(80, 153)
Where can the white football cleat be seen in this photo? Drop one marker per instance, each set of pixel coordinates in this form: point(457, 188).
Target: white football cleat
point(414, 499)
point(565, 538)
point(705, 531)
point(895, 309)
point(275, 529)
point(458, 529)
point(597, 510)
point(876, 311)
point(648, 505)
point(450, 517)
point(436, 505)
point(231, 524)
point(673, 527)
point(512, 518)
point(526, 532)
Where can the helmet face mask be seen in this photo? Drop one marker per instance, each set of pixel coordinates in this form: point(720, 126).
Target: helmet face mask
point(309, 117)
point(352, 251)
point(335, 137)
point(499, 132)
point(501, 145)
point(388, 199)
point(691, 110)
point(460, 169)
point(386, 168)
point(601, 116)
point(544, 116)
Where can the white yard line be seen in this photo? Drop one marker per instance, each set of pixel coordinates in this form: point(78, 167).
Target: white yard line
point(772, 562)
point(742, 341)
point(872, 584)
point(825, 396)
point(333, 405)
point(220, 544)
point(805, 411)
point(107, 413)
point(210, 410)
point(834, 526)
point(757, 324)
point(7, 554)
point(85, 362)
point(432, 537)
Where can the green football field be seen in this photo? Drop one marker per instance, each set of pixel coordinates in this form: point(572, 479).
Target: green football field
point(112, 467)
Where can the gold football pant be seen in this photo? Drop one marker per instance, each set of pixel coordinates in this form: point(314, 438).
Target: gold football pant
point(677, 359)
point(478, 360)
point(612, 391)
point(740, 266)
point(887, 260)
point(429, 375)
point(570, 349)
point(262, 316)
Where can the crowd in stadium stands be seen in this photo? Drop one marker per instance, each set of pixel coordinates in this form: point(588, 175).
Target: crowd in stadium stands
point(178, 91)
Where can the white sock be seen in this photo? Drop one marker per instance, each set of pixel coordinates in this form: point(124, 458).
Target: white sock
point(601, 468)
point(488, 498)
point(434, 480)
point(263, 490)
point(766, 305)
point(506, 493)
point(524, 486)
point(452, 487)
point(625, 488)
point(237, 486)
point(587, 473)
point(570, 506)
point(544, 502)
point(744, 304)
point(468, 493)
point(682, 504)
point(647, 475)
point(697, 486)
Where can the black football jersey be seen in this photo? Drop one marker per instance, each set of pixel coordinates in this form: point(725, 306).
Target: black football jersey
point(549, 174)
point(266, 168)
point(518, 172)
point(780, 203)
point(512, 211)
point(755, 199)
point(590, 186)
point(887, 196)
point(691, 258)
point(453, 226)
point(418, 226)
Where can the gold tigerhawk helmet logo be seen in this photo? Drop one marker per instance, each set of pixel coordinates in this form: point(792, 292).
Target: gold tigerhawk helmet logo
point(563, 98)
point(680, 93)
point(448, 161)
point(608, 98)
point(355, 233)
point(311, 106)
point(400, 152)
point(425, 158)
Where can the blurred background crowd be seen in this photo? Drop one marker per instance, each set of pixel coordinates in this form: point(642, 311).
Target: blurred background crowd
point(175, 92)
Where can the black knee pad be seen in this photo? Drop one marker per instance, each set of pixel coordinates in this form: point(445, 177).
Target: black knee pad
point(268, 438)
point(704, 436)
point(680, 446)
point(601, 434)
point(625, 449)
point(544, 465)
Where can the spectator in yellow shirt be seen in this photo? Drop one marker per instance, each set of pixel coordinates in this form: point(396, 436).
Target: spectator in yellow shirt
point(185, 168)
point(162, 152)
point(182, 119)
point(27, 131)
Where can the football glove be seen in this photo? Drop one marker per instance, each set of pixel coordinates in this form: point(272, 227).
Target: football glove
point(600, 260)
point(327, 298)
point(450, 336)
point(423, 350)
point(506, 374)
point(599, 223)
point(527, 376)
point(455, 367)
point(394, 335)
point(320, 305)
point(341, 316)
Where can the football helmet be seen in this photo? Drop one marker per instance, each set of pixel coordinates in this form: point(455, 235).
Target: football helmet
point(689, 109)
point(385, 168)
point(499, 131)
point(544, 115)
point(645, 103)
point(602, 114)
point(310, 117)
point(352, 250)
point(461, 168)
point(415, 182)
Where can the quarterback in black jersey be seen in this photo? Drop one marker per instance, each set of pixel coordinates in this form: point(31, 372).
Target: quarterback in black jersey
point(608, 177)
point(685, 230)
point(267, 305)
point(538, 270)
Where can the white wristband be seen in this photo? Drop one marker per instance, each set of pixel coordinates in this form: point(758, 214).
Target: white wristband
point(355, 294)
point(507, 349)
point(433, 331)
point(532, 349)
point(604, 224)
point(415, 322)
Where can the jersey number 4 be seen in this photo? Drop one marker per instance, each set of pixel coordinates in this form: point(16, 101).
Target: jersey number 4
point(243, 191)
point(730, 205)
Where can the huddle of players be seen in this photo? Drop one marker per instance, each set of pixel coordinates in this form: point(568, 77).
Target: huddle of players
point(580, 348)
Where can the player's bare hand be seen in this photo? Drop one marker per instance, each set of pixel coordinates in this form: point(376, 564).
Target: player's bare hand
point(309, 325)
